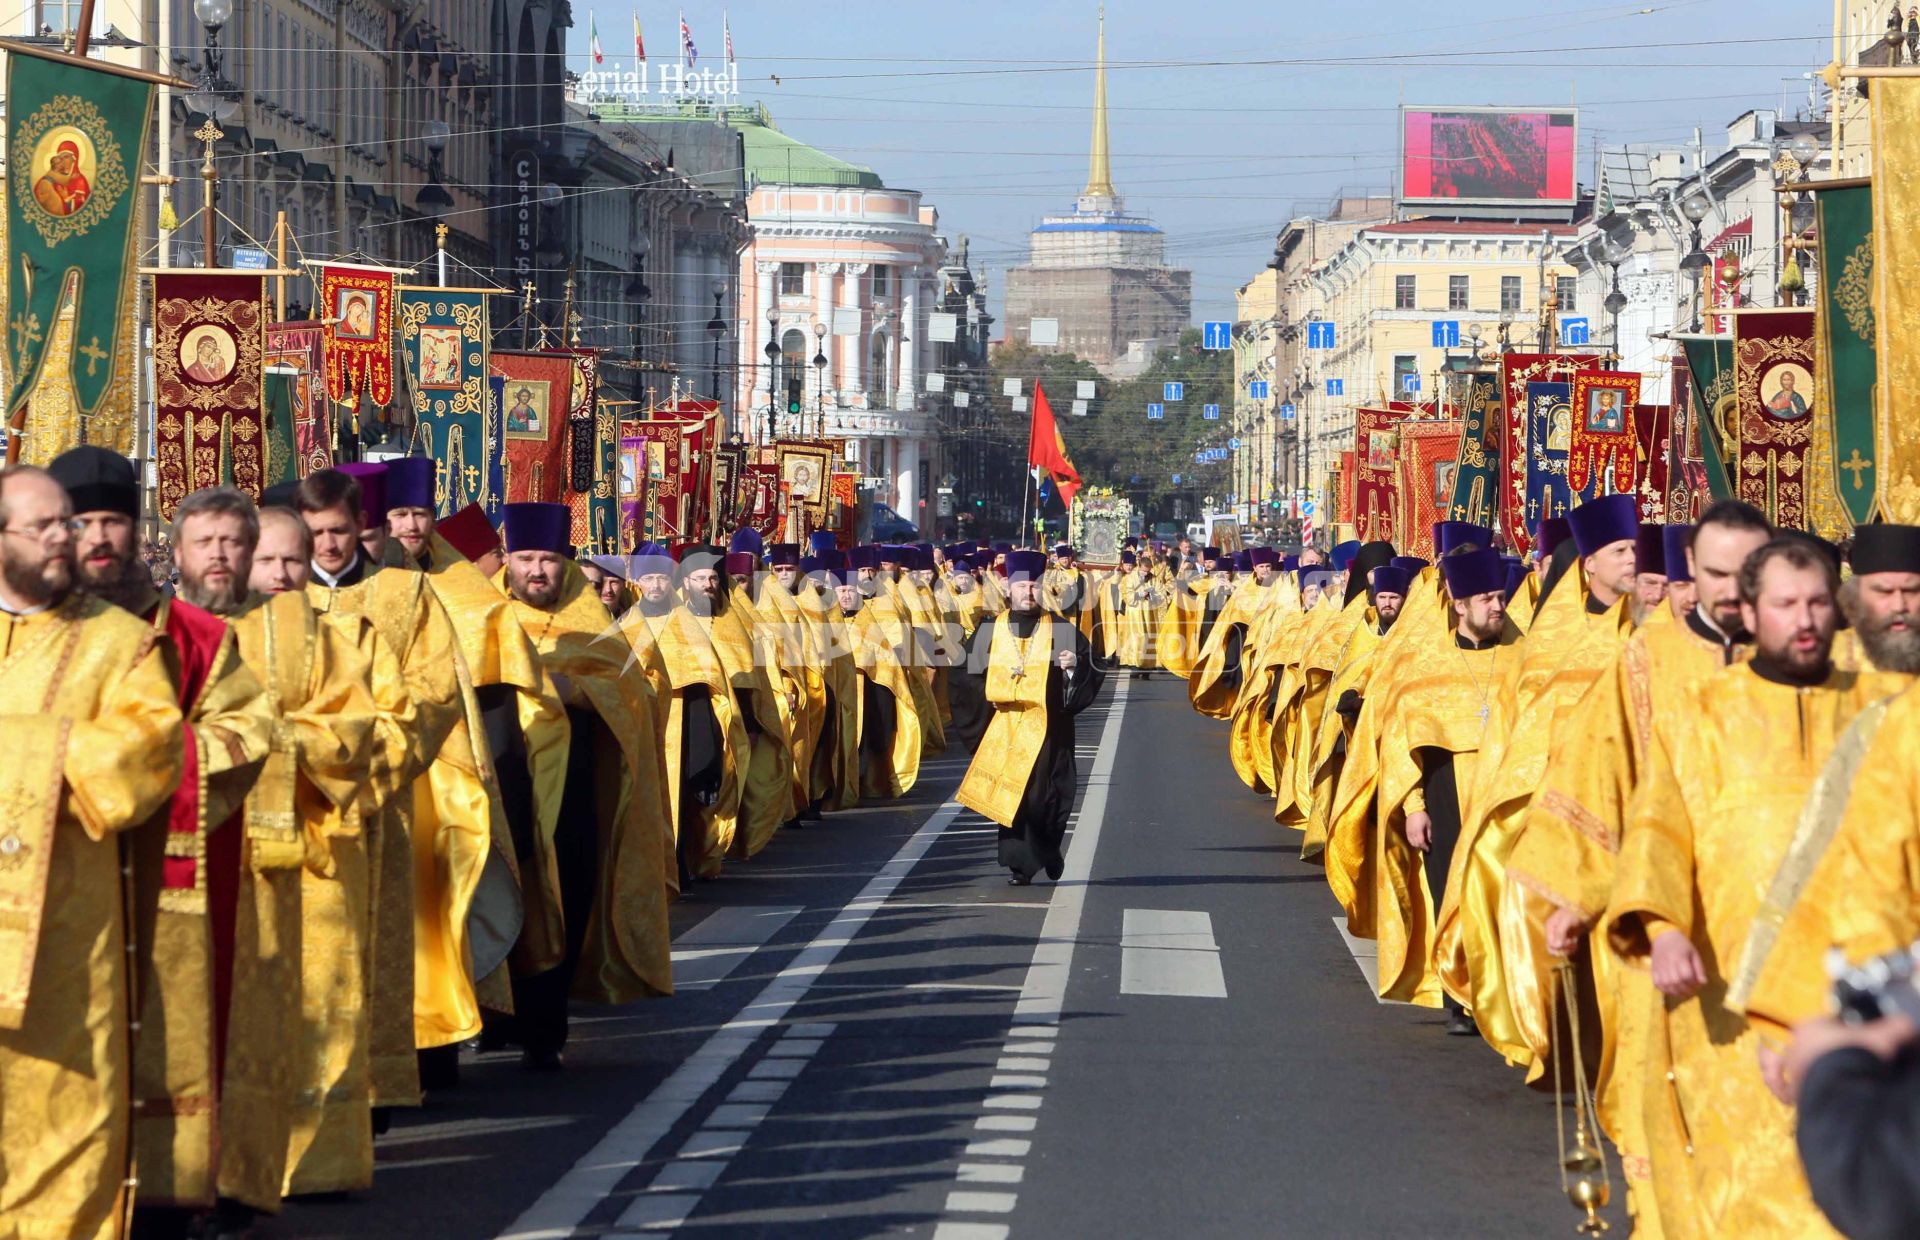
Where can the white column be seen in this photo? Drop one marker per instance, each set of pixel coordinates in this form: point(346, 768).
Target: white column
point(906, 459)
point(853, 349)
point(823, 274)
point(906, 366)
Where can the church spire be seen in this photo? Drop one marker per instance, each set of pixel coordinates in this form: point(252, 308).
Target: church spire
point(1099, 171)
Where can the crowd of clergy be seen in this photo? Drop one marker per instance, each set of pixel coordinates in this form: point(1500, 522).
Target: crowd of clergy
point(1662, 770)
point(359, 788)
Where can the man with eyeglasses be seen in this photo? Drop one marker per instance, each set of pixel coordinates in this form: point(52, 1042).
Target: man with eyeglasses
point(91, 718)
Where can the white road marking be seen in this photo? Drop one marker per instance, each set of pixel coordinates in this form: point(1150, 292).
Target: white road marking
point(714, 1143)
point(706, 953)
point(681, 1174)
point(999, 1147)
point(981, 1203)
point(970, 1231)
point(1170, 952)
point(991, 1173)
point(1013, 1102)
point(1366, 954)
point(559, 1210)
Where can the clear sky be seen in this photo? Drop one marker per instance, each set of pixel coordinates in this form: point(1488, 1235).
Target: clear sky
point(1228, 116)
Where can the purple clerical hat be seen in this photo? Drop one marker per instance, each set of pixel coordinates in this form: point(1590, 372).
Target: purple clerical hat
point(372, 477)
point(538, 527)
point(1480, 571)
point(1602, 522)
point(1675, 539)
point(410, 482)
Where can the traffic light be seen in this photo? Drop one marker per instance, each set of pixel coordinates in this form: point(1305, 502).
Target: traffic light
point(793, 395)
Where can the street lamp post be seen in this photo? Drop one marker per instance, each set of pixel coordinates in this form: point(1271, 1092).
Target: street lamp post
point(210, 100)
point(820, 371)
point(1695, 207)
point(1614, 252)
point(772, 352)
point(717, 328)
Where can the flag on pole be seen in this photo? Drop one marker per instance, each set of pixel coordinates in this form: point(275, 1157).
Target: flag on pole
point(726, 29)
point(593, 40)
point(639, 43)
point(687, 50)
point(1046, 450)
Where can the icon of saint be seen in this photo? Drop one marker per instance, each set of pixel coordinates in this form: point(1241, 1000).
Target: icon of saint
point(209, 363)
point(522, 417)
point(63, 188)
point(1787, 403)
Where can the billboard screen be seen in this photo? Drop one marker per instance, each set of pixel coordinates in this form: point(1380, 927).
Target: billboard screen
point(1487, 156)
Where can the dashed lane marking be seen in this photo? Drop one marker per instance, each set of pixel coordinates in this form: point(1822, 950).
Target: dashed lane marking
point(1170, 952)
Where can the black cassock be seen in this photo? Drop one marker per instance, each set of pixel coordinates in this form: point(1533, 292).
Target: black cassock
point(1032, 844)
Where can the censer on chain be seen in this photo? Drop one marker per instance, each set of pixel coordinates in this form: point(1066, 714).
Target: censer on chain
point(1583, 1167)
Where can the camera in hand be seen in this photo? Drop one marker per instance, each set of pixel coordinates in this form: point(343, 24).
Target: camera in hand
point(1883, 986)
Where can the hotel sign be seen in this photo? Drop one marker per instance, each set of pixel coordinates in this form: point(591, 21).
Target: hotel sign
point(653, 86)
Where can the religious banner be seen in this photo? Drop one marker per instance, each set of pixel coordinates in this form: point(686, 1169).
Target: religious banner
point(537, 396)
point(1773, 383)
point(1896, 297)
point(841, 514)
point(1478, 495)
point(1715, 410)
point(1376, 458)
point(728, 461)
point(356, 305)
point(1339, 505)
point(760, 497)
point(1429, 459)
point(208, 343)
point(1604, 456)
point(804, 468)
point(1537, 393)
point(299, 349)
point(75, 131)
point(276, 395)
point(585, 449)
point(1687, 491)
point(656, 455)
point(1846, 369)
point(1653, 436)
point(444, 342)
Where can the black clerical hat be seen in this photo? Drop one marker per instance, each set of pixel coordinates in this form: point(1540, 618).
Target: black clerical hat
point(97, 480)
point(1880, 549)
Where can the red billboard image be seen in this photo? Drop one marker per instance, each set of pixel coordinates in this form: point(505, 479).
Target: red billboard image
point(1487, 155)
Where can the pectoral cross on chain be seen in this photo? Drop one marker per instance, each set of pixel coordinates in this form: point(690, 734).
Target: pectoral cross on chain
point(1482, 712)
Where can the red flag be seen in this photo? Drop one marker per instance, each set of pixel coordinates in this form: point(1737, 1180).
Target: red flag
point(1046, 450)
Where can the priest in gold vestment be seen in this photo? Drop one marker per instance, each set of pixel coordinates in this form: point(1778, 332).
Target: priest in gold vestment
point(890, 747)
point(1562, 868)
point(93, 728)
point(1039, 673)
point(1707, 830)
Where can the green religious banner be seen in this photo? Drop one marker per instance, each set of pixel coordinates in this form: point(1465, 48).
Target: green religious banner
point(1476, 483)
point(1715, 404)
point(1846, 369)
point(75, 132)
point(444, 334)
point(277, 391)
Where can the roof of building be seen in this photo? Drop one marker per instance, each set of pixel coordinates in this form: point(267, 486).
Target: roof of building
point(773, 158)
point(1094, 224)
point(1482, 228)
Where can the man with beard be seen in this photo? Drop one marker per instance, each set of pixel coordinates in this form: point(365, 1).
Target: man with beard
point(829, 717)
point(834, 779)
point(93, 732)
point(765, 762)
point(694, 717)
point(1562, 867)
point(406, 617)
point(1038, 673)
point(1707, 830)
point(1848, 880)
point(890, 745)
point(1681, 598)
point(185, 860)
point(1214, 686)
point(611, 854)
point(1649, 572)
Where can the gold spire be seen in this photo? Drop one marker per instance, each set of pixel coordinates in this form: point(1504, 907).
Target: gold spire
point(1099, 171)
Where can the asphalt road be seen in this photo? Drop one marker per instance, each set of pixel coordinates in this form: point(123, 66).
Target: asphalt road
point(876, 1035)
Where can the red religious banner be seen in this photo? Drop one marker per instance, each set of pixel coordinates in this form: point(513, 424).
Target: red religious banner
point(845, 498)
point(535, 402)
point(1653, 429)
point(1376, 454)
point(1773, 387)
point(1605, 454)
point(356, 304)
point(1339, 491)
point(207, 347)
point(1429, 462)
point(654, 456)
point(1688, 492)
point(300, 348)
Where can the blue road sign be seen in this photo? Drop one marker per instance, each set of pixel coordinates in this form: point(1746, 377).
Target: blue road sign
point(1336, 387)
point(1176, 391)
point(1410, 383)
point(1319, 334)
point(1306, 507)
point(1176, 480)
point(1286, 412)
point(1576, 329)
point(1156, 411)
point(251, 258)
point(1446, 333)
point(1216, 336)
point(1210, 412)
point(1259, 389)
point(1234, 444)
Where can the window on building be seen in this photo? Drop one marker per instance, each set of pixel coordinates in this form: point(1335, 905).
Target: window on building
point(1509, 292)
point(882, 280)
point(1403, 293)
point(879, 372)
point(793, 279)
point(56, 16)
point(1566, 288)
point(1405, 367)
point(1457, 289)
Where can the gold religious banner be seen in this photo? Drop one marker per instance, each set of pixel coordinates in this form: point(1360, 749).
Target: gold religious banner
point(1896, 298)
point(209, 339)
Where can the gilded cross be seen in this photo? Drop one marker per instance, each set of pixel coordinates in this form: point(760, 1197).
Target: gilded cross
point(472, 476)
point(94, 355)
point(27, 327)
point(1859, 465)
point(1533, 509)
